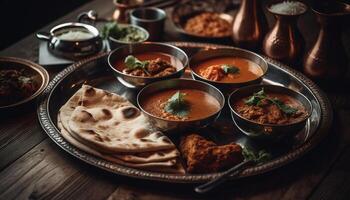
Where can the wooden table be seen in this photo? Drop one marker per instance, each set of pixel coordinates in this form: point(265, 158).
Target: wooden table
point(33, 167)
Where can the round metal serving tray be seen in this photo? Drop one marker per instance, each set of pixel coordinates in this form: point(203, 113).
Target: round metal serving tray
point(94, 71)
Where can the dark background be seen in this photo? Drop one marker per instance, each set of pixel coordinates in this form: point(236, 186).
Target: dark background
point(19, 18)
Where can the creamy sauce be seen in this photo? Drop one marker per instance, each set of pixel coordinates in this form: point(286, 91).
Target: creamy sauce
point(248, 70)
point(201, 104)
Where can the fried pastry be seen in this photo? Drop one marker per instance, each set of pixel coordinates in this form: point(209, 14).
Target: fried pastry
point(204, 156)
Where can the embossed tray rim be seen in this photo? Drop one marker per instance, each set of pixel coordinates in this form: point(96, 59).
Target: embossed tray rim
point(53, 132)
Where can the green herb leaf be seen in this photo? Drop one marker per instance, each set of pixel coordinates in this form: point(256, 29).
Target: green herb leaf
point(285, 108)
point(230, 69)
point(177, 105)
point(261, 93)
point(252, 101)
point(132, 62)
point(256, 98)
point(110, 29)
point(125, 34)
point(260, 157)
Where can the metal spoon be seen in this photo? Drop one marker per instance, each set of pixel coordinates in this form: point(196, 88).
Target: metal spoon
point(206, 187)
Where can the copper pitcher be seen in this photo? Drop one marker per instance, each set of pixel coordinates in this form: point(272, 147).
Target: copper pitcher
point(284, 41)
point(249, 25)
point(123, 7)
point(327, 59)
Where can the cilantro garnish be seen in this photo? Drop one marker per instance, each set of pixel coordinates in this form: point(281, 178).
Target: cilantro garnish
point(177, 105)
point(132, 62)
point(256, 98)
point(230, 69)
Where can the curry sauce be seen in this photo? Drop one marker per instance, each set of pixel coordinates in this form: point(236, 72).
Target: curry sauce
point(201, 104)
point(211, 69)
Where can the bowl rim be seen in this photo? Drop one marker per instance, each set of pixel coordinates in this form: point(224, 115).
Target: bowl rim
point(130, 25)
point(231, 50)
point(44, 75)
point(147, 43)
point(345, 5)
point(155, 9)
point(270, 125)
point(181, 79)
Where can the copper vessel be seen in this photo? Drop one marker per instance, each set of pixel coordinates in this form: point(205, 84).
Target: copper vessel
point(123, 7)
point(327, 59)
point(249, 25)
point(284, 41)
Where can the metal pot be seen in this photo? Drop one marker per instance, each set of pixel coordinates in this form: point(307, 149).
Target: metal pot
point(72, 48)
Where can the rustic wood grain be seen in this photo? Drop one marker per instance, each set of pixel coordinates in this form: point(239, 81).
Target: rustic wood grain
point(46, 172)
point(18, 134)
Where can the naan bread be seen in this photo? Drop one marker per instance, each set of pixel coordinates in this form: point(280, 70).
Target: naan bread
point(147, 157)
point(163, 160)
point(112, 125)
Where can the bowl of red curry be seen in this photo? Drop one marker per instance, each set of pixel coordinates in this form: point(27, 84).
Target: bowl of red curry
point(269, 111)
point(228, 68)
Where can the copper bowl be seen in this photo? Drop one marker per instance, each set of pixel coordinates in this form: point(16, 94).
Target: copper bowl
point(227, 88)
point(39, 74)
point(137, 82)
point(176, 125)
point(268, 131)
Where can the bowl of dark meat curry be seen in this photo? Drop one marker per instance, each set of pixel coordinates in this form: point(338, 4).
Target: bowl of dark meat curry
point(137, 65)
point(269, 111)
point(179, 104)
point(228, 69)
point(21, 81)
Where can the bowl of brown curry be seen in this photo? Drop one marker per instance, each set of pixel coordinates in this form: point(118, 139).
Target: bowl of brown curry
point(179, 104)
point(137, 65)
point(269, 111)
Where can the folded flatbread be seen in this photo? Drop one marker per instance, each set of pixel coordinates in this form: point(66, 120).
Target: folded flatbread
point(108, 126)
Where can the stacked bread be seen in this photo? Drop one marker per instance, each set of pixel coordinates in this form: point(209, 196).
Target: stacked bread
point(110, 127)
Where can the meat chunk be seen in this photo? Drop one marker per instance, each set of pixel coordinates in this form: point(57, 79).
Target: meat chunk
point(214, 73)
point(269, 113)
point(204, 156)
point(154, 68)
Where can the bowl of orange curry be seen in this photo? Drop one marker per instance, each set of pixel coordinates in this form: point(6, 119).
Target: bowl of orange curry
point(181, 104)
point(228, 68)
point(137, 65)
point(269, 111)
